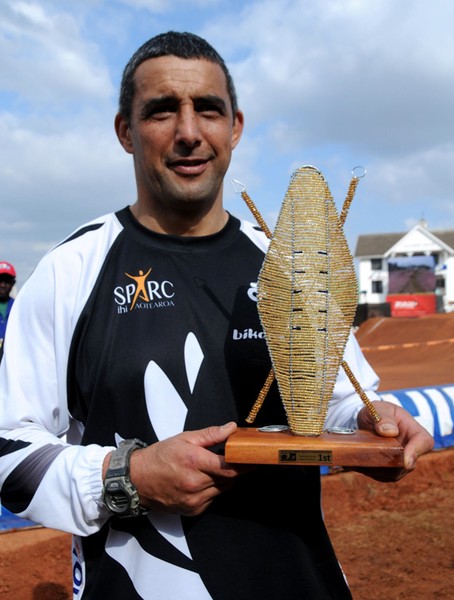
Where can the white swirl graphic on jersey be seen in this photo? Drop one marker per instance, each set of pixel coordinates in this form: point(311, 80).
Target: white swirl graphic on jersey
point(151, 576)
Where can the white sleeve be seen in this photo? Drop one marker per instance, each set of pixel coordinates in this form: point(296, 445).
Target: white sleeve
point(42, 477)
point(345, 403)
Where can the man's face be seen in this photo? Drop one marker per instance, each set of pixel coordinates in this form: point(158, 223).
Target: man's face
point(6, 284)
point(182, 132)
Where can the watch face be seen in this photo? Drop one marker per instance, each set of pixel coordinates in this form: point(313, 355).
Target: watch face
point(116, 497)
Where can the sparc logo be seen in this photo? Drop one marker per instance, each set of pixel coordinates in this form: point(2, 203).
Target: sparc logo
point(143, 293)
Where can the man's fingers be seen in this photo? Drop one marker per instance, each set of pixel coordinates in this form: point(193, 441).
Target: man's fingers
point(420, 444)
point(210, 436)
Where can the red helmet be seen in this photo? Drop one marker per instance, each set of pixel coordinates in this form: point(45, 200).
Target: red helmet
point(7, 268)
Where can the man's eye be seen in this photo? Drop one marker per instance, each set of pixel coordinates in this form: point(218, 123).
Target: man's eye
point(209, 108)
point(158, 112)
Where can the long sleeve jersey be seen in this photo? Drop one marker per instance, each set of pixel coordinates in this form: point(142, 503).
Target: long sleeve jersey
point(123, 333)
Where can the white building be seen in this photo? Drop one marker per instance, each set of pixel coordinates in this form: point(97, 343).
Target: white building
point(374, 254)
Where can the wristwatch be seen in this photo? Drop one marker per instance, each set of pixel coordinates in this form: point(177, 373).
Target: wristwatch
point(119, 493)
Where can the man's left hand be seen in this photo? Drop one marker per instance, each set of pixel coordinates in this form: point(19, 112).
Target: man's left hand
point(396, 422)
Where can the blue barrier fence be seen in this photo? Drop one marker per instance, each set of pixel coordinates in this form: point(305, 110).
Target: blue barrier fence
point(9, 522)
point(432, 407)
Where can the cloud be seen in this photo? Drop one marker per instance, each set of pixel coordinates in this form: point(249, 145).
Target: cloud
point(356, 73)
point(64, 169)
point(45, 60)
point(423, 179)
point(170, 5)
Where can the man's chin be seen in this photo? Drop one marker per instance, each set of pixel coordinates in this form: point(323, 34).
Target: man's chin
point(194, 195)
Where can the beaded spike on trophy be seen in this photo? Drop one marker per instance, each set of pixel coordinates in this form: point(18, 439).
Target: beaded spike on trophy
point(307, 296)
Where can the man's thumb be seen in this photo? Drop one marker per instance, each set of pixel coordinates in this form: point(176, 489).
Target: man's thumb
point(217, 434)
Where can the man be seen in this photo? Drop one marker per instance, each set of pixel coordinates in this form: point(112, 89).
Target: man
point(7, 281)
point(137, 322)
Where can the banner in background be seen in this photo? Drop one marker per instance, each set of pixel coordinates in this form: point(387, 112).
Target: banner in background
point(412, 305)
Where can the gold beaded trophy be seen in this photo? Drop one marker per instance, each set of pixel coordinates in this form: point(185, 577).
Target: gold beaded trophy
point(307, 297)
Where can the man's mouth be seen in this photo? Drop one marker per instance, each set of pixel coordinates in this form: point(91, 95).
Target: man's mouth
point(186, 166)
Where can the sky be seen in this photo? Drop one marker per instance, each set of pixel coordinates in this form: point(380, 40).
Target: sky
point(329, 83)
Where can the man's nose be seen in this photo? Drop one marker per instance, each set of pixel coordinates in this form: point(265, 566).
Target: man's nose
point(188, 127)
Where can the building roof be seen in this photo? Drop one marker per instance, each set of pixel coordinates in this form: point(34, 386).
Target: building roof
point(378, 244)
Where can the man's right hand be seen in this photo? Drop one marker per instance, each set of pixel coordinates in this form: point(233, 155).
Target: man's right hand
point(180, 474)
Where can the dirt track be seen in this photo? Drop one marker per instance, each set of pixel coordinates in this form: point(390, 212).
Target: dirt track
point(395, 541)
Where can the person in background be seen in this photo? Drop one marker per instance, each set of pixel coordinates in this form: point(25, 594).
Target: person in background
point(7, 281)
point(139, 339)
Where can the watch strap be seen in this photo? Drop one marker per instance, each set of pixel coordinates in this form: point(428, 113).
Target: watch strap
point(119, 493)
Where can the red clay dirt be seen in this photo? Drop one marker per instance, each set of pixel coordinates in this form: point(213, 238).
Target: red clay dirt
point(394, 541)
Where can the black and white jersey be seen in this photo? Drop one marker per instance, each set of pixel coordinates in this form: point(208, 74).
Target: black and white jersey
point(122, 333)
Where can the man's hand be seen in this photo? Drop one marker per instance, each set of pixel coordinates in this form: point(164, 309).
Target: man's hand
point(396, 422)
point(180, 474)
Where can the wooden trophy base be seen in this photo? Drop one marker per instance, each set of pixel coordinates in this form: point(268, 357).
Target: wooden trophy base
point(358, 449)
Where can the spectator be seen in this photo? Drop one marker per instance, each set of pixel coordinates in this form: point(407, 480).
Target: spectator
point(7, 281)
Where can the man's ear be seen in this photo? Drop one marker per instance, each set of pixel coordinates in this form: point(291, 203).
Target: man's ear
point(237, 129)
point(123, 132)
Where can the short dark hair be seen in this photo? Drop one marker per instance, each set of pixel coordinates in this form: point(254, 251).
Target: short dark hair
point(173, 43)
